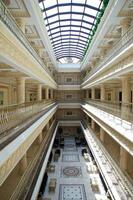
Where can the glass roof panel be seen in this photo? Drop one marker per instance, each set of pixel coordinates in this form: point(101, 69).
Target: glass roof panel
point(69, 24)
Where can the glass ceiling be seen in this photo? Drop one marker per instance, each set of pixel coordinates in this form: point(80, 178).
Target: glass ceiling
point(69, 25)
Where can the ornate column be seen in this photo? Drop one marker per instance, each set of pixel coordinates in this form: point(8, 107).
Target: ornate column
point(102, 93)
point(125, 90)
point(102, 134)
point(92, 93)
point(46, 93)
point(20, 90)
point(51, 93)
point(125, 97)
point(39, 92)
point(10, 92)
point(92, 124)
point(123, 158)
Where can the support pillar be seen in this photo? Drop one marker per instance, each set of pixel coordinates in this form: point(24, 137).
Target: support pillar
point(102, 134)
point(47, 93)
point(10, 95)
point(21, 90)
point(113, 97)
point(123, 159)
point(102, 93)
point(125, 97)
point(92, 124)
point(92, 93)
point(23, 164)
point(125, 90)
point(51, 93)
point(39, 92)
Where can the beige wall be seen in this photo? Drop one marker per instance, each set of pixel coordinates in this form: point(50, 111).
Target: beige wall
point(65, 95)
point(112, 147)
point(68, 114)
point(130, 166)
point(63, 77)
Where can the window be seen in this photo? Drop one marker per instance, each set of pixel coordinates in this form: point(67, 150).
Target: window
point(69, 113)
point(69, 80)
point(1, 98)
point(69, 96)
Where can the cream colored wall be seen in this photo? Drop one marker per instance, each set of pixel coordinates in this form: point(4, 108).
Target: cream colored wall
point(130, 165)
point(76, 78)
point(62, 94)
point(72, 131)
point(112, 147)
point(62, 114)
point(5, 95)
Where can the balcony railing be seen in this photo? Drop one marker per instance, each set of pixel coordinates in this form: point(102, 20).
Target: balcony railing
point(9, 21)
point(115, 50)
point(14, 115)
point(121, 110)
point(26, 185)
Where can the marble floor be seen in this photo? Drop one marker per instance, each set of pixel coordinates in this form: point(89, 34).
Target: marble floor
point(73, 179)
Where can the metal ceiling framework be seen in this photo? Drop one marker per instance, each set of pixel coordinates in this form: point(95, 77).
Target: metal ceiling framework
point(69, 24)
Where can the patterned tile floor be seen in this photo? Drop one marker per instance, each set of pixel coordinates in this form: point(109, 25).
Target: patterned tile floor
point(71, 171)
point(73, 180)
point(70, 158)
point(72, 192)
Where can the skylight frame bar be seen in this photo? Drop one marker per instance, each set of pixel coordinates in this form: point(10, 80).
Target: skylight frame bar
point(73, 4)
point(76, 20)
point(60, 49)
point(82, 20)
point(67, 43)
point(71, 35)
point(69, 57)
point(47, 18)
point(66, 46)
point(69, 26)
point(76, 13)
point(68, 39)
point(66, 49)
point(59, 20)
point(72, 30)
point(94, 21)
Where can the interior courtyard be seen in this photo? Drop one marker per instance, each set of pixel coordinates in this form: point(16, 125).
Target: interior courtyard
point(66, 100)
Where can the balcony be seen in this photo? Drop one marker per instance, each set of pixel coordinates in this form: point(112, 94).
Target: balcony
point(118, 49)
point(117, 116)
point(15, 119)
point(7, 19)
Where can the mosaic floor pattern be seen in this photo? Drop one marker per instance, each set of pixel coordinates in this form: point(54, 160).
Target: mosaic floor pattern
point(71, 171)
point(70, 158)
point(72, 192)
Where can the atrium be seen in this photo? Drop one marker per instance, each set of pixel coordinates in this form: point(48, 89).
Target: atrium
point(66, 100)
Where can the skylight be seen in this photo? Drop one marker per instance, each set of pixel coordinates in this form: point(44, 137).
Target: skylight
point(69, 25)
